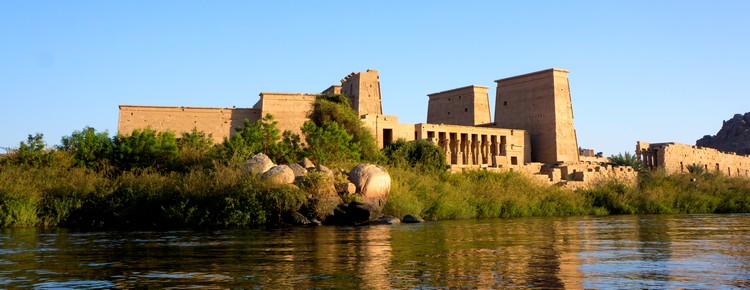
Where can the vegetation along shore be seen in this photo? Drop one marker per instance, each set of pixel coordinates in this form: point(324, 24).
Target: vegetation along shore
point(151, 179)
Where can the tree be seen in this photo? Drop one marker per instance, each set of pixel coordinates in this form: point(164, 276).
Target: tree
point(329, 143)
point(144, 148)
point(32, 152)
point(336, 108)
point(626, 159)
point(253, 138)
point(420, 154)
point(87, 146)
point(195, 150)
point(289, 149)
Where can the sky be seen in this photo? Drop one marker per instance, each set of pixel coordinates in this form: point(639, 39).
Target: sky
point(655, 71)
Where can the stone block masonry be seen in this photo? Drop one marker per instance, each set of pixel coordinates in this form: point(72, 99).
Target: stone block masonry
point(676, 158)
point(218, 122)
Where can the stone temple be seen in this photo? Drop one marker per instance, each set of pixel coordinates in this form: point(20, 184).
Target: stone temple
point(533, 130)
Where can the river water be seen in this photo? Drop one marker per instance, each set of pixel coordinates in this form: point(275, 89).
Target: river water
point(653, 251)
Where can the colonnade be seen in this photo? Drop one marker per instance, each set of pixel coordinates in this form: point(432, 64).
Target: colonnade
point(470, 149)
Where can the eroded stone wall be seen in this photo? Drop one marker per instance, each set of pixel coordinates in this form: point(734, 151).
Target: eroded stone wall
point(218, 122)
point(677, 158)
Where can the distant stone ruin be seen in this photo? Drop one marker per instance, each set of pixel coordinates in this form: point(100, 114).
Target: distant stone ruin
point(533, 130)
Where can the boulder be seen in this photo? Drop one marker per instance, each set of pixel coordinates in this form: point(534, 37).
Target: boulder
point(324, 170)
point(386, 220)
point(354, 213)
point(322, 201)
point(280, 174)
point(372, 182)
point(411, 219)
point(306, 163)
point(346, 188)
point(299, 171)
point(258, 164)
point(297, 219)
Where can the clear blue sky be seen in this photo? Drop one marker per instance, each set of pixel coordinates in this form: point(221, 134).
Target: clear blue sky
point(640, 70)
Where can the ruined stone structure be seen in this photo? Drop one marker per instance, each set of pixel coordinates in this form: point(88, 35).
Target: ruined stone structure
point(533, 130)
point(363, 89)
point(469, 106)
point(540, 103)
point(676, 157)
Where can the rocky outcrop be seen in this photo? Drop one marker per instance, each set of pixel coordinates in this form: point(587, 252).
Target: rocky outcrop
point(258, 164)
point(279, 174)
point(372, 182)
point(734, 136)
point(323, 190)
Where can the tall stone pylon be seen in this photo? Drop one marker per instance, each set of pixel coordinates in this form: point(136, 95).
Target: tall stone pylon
point(363, 89)
point(540, 103)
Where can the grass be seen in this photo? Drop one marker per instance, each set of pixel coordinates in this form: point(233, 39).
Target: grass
point(224, 196)
point(481, 194)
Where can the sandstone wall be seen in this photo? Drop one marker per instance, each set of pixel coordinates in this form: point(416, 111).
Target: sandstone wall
point(386, 129)
point(219, 122)
point(291, 110)
point(467, 106)
point(363, 89)
point(540, 103)
point(676, 157)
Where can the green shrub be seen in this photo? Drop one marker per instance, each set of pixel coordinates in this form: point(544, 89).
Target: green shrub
point(337, 109)
point(88, 147)
point(419, 154)
point(329, 143)
point(144, 149)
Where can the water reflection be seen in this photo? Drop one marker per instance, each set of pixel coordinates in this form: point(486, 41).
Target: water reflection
point(711, 251)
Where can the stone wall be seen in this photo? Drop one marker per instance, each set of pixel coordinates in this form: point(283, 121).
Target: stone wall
point(291, 110)
point(675, 158)
point(540, 103)
point(386, 129)
point(467, 106)
point(218, 122)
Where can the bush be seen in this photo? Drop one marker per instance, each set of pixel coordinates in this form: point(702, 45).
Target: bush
point(33, 152)
point(422, 155)
point(329, 143)
point(88, 147)
point(143, 149)
point(337, 109)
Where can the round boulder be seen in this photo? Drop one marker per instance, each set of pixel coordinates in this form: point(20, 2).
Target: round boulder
point(280, 174)
point(258, 164)
point(306, 163)
point(372, 182)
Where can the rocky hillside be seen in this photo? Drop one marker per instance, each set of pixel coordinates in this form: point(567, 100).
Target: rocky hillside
point(734, 136)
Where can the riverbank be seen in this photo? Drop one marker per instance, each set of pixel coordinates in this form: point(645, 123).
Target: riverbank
point(225, 196)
